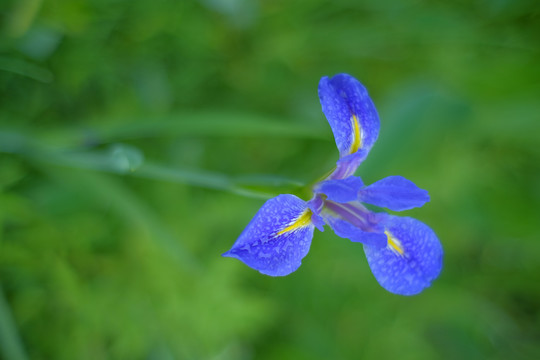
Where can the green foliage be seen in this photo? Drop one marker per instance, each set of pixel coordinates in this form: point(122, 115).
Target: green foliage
point(138, 138)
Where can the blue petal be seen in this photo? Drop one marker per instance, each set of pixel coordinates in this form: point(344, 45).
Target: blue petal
point(347, 165)
point(395, 193)
point(316, 205)
point(411, 260)
point(343, 190)
point(277, 238)
point(345, 101)
point(348, 231)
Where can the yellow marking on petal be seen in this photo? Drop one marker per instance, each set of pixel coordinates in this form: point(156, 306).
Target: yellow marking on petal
point(303, 220)
point(393, 243)
point(357, 138)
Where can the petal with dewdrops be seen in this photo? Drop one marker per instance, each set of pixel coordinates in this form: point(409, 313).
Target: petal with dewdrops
point(350, 112)
point(277, 238)
point(412, 258)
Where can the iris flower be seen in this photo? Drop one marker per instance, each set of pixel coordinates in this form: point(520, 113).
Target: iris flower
point(404, 254)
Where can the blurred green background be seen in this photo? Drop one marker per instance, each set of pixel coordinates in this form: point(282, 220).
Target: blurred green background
point(138, 138)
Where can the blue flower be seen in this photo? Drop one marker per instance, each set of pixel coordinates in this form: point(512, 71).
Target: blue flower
point(403, 253)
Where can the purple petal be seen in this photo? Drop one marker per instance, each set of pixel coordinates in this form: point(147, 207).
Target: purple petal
point(411, 260)
point(350, 112)
point(348, 231)
point(277, 238)
point(395, 193)
point(356, 214)
point(343, 190)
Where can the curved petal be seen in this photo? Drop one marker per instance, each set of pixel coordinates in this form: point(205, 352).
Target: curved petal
point(316, 205)
point(350, 112)
point(347, 165)
point(346, 230)
point(411, 260)
point(342, 190)
point(395, 193)
point(277, 238)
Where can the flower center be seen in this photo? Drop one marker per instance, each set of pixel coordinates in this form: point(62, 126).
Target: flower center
point(354, 213)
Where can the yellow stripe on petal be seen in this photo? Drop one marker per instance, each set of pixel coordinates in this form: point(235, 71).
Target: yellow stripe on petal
point(303, 220)
point(394, 244)
point(357, 137)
